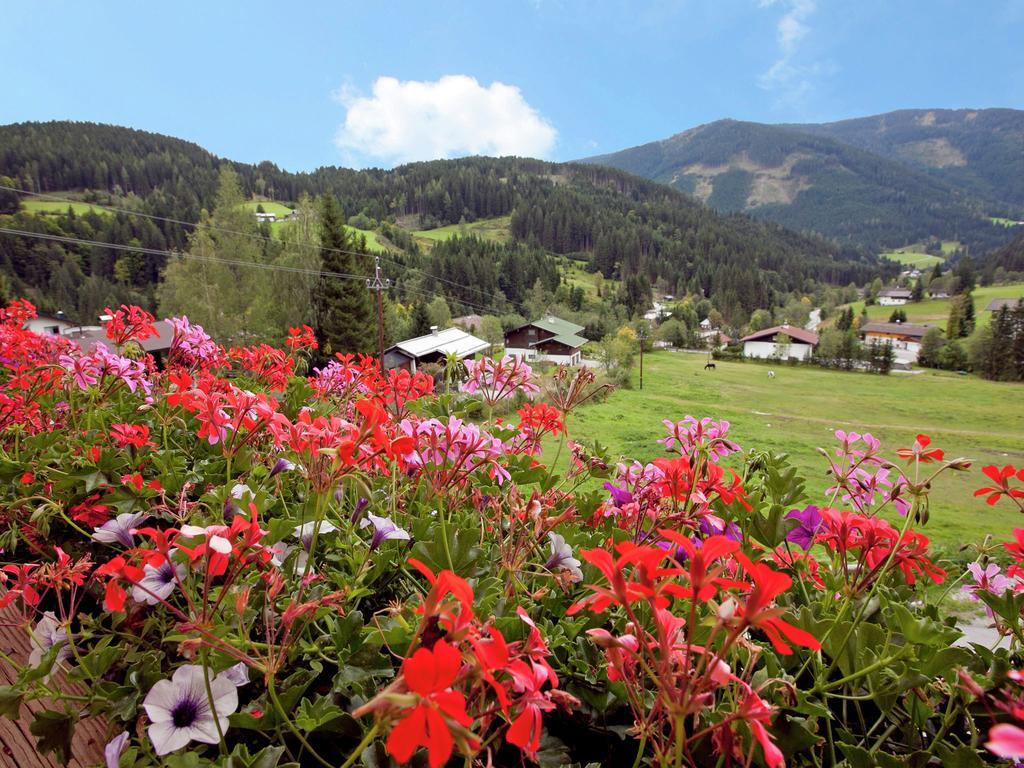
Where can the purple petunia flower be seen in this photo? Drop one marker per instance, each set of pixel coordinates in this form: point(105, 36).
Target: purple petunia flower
point(158, 582)
point(360, 507)
point(809, 523)
point(305, 531)
point(384, 529)
point(561, 557)
point(112, 752)
point(47, 633)
point(120, 530)
point(179, 709)
point(282, 465)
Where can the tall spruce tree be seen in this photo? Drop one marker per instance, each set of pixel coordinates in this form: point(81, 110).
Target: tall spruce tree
point(344, 306)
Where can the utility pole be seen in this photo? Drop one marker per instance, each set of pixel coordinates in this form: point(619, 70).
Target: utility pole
point(378, 284)
point(643, 337)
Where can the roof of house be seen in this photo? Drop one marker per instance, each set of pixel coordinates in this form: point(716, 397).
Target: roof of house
point(996, 304)
point(798, 335)
point(901, 329)
point(552, 324)
point(443, 342)
point(568, 339)
point(896, 293)
point(89, 336)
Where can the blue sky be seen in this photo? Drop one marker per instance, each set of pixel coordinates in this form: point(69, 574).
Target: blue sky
point(375, 83)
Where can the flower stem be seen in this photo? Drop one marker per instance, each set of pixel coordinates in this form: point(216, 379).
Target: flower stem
point(367, 740)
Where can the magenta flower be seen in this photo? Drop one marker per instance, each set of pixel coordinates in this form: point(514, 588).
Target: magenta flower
point(498, 380)
point(988, 579)
point(807, 528)
point(691, 434)
point(179, 710)
point(1006, 741)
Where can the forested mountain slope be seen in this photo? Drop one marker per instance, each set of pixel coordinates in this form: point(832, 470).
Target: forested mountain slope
point(980, 151)
point(626, 227)
point(811, 183)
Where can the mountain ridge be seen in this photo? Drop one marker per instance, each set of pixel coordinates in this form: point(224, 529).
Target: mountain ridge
point(810, 180)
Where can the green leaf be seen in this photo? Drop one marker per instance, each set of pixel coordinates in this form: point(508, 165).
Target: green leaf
point(316, 714)
point(857, 757)
point(10, 701)
point(53, 732)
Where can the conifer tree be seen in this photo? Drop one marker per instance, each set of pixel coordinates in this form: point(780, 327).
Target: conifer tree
point(344, 306)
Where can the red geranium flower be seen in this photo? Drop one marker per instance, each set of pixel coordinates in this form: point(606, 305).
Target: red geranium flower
point(1001, 483)
point(757, 610)
point(429, 673)
point(918, 452)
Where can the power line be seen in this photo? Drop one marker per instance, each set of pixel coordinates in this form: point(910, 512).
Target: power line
point(221, 260)
point(183, 254)
point(225, 230)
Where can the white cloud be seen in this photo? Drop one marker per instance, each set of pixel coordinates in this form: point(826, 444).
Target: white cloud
point(405, 121)
point(792, 80)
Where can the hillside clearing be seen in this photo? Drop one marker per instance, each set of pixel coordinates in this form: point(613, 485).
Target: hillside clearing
point(799, 410)
point(269, 206)
point(44, 207)
point(495, 230)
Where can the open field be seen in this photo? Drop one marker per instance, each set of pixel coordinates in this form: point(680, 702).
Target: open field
point(914, 255)
point(798, 411)
point(496, 229)
point(936, 311)
point(914, 259)
point(372, 241)
point(269, 206)
point(1006, 222)
point(574, 274)
point(38, 205)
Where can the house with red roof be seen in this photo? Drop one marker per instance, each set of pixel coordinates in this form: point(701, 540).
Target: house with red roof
point(780, 342)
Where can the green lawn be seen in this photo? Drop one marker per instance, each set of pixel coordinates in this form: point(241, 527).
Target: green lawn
point(372, 240)
point(496, 229)
point(269, 206)
point(1006, 222)
point(936, 311)
point(914, 255)
point(38, 205)
point(799, 410)
point(914, 259)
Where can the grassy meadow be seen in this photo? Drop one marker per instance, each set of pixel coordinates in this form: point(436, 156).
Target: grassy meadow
point(914, 255)
point(799, 410)
point(936, 311)
point(269, 206)
point(41, 206)
point(496, 230)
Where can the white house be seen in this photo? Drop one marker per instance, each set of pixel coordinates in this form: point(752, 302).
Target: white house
point(433, 348)
point(268, 217)
point(892, 297)
point(48, 325)
point(656, 313)
point(765, 345)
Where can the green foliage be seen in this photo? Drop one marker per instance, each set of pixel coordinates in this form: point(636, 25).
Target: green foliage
point(344, 306)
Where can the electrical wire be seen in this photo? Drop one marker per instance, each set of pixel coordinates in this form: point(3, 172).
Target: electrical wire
point(263, 238)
